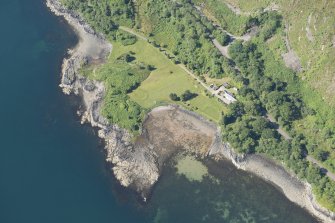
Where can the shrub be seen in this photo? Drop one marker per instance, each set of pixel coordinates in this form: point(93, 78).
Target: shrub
point(174, 97)
point(188, 95)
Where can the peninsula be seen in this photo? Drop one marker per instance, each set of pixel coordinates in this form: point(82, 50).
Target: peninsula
point(204, 78)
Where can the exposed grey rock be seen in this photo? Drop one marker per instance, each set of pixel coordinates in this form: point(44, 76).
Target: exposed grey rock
point(89, 86)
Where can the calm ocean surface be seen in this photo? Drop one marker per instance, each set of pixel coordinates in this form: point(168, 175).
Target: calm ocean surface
point(52, 169)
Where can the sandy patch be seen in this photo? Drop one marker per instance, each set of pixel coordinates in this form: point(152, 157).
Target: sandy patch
point(191, 168)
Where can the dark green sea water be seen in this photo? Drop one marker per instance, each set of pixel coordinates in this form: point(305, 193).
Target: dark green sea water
point(52, 169)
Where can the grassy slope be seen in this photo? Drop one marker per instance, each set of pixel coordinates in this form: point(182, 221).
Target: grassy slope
point(151, 25)
point(317, 55)
point(249, 5)
point(168, 78)
point(220, 13)
point(165, 79)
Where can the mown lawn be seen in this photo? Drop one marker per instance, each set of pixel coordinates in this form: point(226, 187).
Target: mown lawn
point(165, 79)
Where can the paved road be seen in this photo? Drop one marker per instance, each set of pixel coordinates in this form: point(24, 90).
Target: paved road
point(223, 49)
point(280, 130)
point(317, 162)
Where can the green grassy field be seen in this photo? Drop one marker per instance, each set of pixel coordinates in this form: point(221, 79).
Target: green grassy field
point(165, 79)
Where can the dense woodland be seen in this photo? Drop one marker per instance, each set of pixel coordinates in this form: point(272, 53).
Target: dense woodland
point(245, 126)
point(178, 27)
point(268, 87)
point(104, 15)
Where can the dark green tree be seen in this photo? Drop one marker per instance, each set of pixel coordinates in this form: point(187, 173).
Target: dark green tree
point(174, 97)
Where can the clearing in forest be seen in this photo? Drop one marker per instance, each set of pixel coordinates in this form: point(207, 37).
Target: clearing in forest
point(165, 79)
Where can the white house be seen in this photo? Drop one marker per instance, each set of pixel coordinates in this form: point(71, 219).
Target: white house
point(229, 96)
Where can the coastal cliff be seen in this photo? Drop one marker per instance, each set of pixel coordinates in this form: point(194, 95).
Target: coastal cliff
point(138, 164)
point(133, 168)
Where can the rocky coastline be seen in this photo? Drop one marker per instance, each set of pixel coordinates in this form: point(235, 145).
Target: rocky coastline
point(132, 167)
point(138, 164)
point(295, 190)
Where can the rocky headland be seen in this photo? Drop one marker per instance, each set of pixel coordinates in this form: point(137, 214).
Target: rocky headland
point(167, 130)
